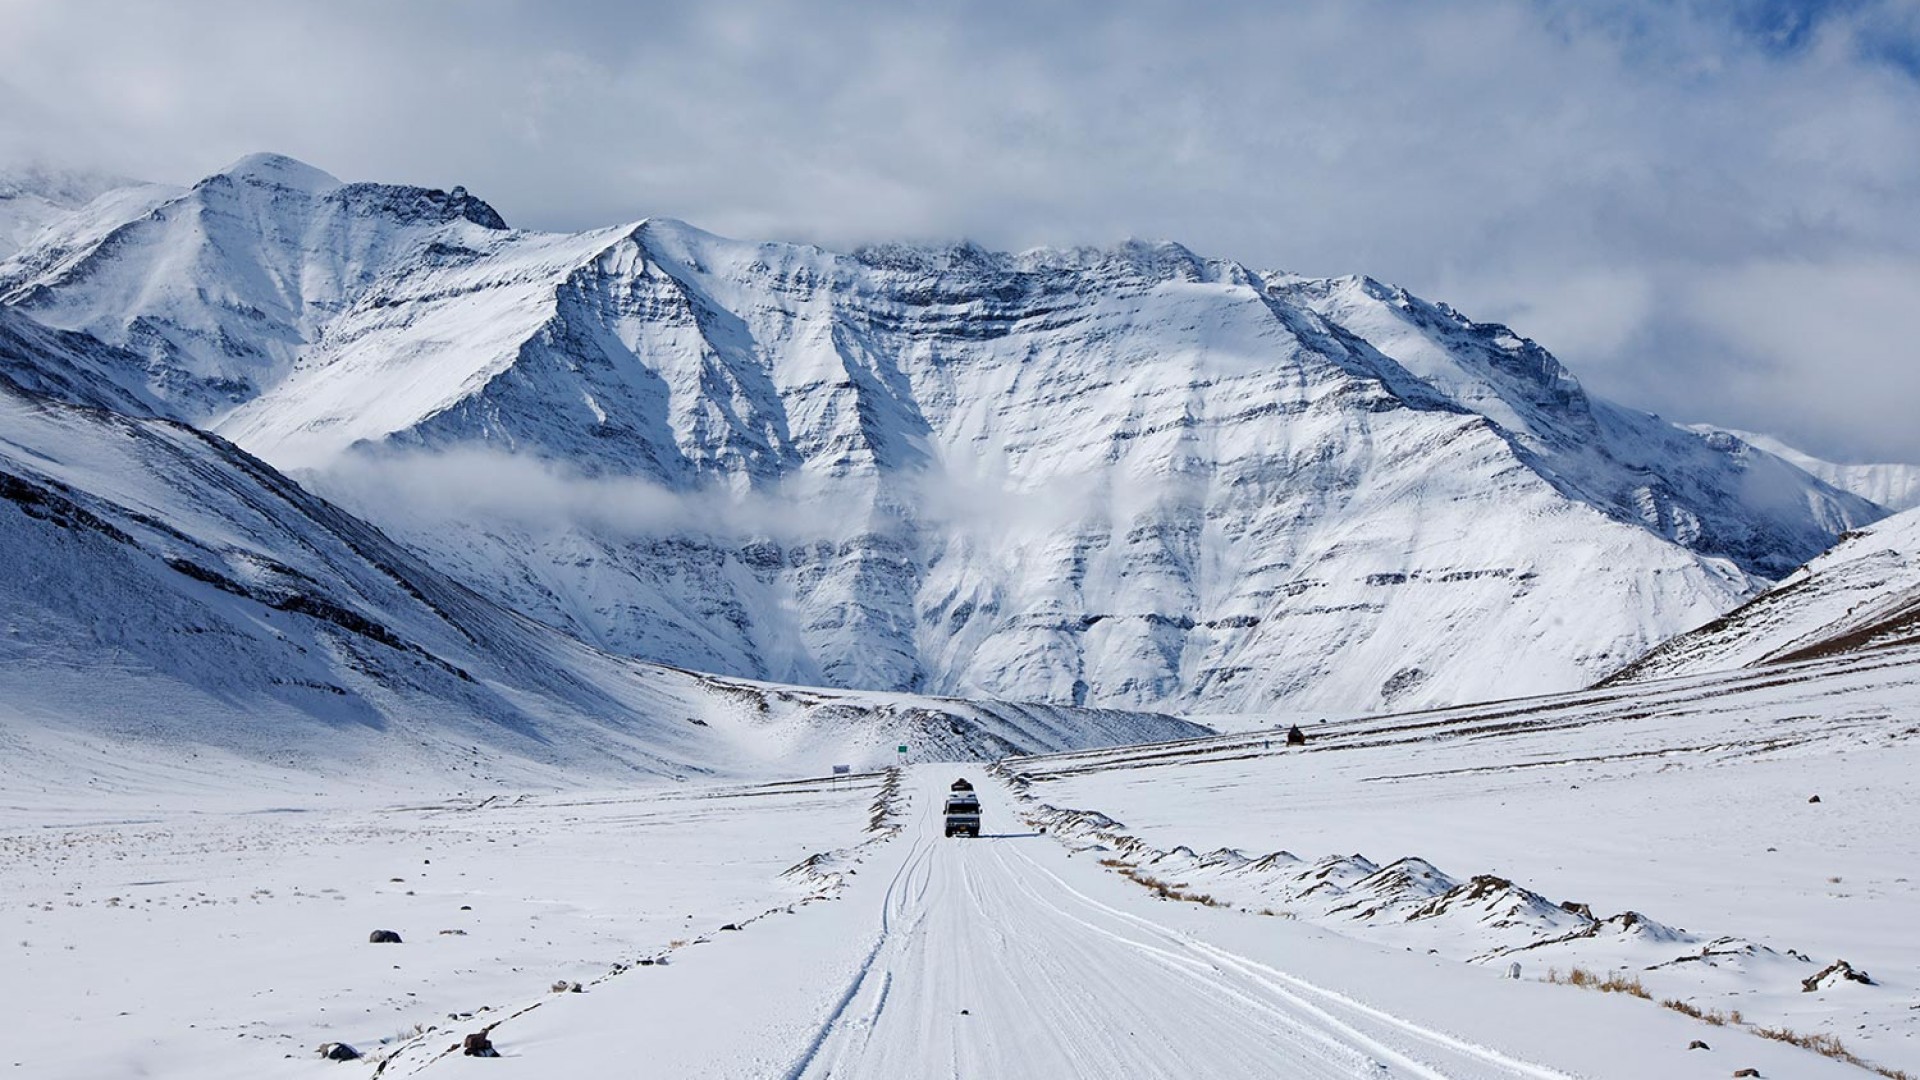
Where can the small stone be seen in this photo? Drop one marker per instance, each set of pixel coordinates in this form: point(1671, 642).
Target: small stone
point(338, 1051)
point(1815, 799)
point(1698, 1045)
point(1746, 1072)
point(384, 937)
point(478, 1045)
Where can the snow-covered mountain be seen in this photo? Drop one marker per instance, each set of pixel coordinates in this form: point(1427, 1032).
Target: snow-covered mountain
point(1861, 596)
point(167, 588)
point(33, 197)
point(1890, 484)
point(1130, 477)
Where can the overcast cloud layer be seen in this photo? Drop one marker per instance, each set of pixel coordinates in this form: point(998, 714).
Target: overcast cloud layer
point(1709, 210)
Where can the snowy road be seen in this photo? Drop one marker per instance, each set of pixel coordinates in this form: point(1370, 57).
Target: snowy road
point(991, 964)
point(1015, 957)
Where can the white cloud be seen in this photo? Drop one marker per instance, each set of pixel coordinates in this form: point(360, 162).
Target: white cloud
point(1836, 345)
point(1572, 312)
point(423, 490)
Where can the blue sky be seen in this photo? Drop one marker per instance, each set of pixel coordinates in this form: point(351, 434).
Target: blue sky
point(1708, 209)
point(1887, 33)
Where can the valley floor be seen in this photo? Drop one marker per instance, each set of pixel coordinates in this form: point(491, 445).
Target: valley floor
point(211, 936)
point(232, 942)
point(1731, 836)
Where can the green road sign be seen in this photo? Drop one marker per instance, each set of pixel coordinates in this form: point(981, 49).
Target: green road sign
point(903, 749)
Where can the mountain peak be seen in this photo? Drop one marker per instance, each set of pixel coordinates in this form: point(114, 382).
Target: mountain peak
point(279, 170)
point(404, 202)
point(1035, 447)
point(961, 255)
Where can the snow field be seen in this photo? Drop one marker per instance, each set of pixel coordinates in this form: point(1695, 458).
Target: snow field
point(1685, 802)
point(1011, 956)
point(217, 935)
point(206, 937)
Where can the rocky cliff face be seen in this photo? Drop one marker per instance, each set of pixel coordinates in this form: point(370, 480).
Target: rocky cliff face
point(1131, 476)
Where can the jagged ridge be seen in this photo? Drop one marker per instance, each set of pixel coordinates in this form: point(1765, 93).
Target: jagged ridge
point(1130, 476)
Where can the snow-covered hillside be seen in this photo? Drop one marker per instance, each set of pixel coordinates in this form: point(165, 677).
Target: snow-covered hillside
point(34, 197)
point(167, 590)
point(1131, 477)
point(1894, 486)
point(1862, 596)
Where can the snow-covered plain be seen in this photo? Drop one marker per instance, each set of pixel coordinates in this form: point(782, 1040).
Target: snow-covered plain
point(1688, 802)
point(225, 934)
point(227, 938)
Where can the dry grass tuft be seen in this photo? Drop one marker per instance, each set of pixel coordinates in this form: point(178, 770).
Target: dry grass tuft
point(1711, 1016)
point(1827, 1046)
point(1168, 890)
point(1611, 984)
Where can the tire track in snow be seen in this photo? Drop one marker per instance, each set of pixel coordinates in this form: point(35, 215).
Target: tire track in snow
point(990, 964)
point(1296, 991)
point(1188, 990)
point(892, 908)
point(1329, 1046)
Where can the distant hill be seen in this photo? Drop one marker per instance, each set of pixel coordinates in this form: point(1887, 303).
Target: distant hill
point(1861, 597)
